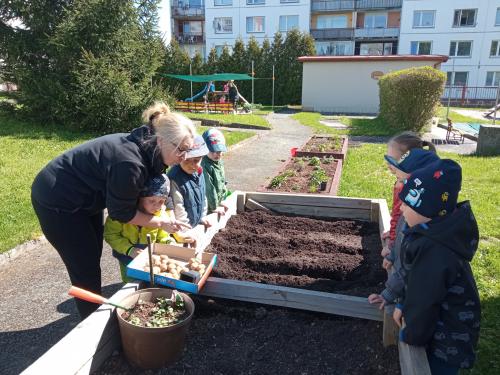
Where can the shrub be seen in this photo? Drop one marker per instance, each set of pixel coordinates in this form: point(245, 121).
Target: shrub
point(409, 97)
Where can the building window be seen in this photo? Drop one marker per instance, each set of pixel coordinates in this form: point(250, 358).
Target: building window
point(288, 23)
point(339, 48)
point(289, 1)
point(255, 24)
point(256, 2)
point(495, 48)
point(223, 2)
point(457, 78)
point(220, 48)
point(423, 18)
point(192, 27)
point(465, 18)
point(421, 48)
point(493, 79)
point(377, 20)
point(497, 18)
point(331, 22)
point(461, 49)
point(375, 49)
point(223, 25)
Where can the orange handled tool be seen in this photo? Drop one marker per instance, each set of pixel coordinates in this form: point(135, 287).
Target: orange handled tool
point(92, 297)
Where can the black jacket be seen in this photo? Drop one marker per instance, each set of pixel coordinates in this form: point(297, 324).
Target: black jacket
point(108, 171)
point(441, 306)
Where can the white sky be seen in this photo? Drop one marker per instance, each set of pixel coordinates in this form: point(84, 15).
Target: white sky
point(164, 24)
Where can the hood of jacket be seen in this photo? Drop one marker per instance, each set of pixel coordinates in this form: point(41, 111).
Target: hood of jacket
point(145, 137)
point(457, 231)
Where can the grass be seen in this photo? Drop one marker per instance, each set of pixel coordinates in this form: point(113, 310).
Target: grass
point(457, 117)
point(365, 175)
point(266, 109)
point(25, 149)
point(357, 126)
point(250, 119)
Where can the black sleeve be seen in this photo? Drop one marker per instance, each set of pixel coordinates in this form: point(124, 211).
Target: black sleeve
point(125, 182)
point(425, 291)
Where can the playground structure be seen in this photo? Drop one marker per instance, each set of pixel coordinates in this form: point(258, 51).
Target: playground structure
point(210, 100)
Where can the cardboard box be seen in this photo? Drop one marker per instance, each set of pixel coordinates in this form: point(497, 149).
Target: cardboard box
point(135, 269)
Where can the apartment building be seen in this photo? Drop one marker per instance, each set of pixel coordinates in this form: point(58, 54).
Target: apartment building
point(468, 31)
point(355, 27)
point(188, 25)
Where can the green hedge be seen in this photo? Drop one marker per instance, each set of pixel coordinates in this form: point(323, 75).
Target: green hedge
point(409, 97)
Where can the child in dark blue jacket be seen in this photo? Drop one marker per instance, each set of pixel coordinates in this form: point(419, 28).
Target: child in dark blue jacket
point(440, 307)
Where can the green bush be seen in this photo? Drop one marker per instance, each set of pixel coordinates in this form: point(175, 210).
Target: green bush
point(409, 97)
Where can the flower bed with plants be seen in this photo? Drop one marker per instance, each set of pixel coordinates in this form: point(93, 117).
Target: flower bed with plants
point(308, 175)
point(324, 146)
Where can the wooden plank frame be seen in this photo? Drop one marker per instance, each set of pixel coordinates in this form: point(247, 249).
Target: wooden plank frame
point(337, 154)
point(88, 345)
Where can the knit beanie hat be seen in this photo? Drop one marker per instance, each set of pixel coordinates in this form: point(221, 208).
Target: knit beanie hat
point(215, 140)
point(433, 190)
point(412, 160)
point(158, 186)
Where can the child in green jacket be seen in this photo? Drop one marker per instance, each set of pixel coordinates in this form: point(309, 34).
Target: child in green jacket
point(129, 240)
point(213, 170)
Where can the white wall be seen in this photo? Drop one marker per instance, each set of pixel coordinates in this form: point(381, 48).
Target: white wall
point(346, 87)
point(239, 11)
point(443, 32)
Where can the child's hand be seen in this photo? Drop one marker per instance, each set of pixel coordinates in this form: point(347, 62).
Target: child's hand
point(172, 225)
point(220, 210)
point(377, 298)
point(398, 316)
point(386, 264)
point(135, 252)
point(206, 222)
point(385, 251)
point(386, 235)
point(226, 208)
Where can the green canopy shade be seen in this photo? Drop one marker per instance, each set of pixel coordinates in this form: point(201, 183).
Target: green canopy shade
point(211, 77)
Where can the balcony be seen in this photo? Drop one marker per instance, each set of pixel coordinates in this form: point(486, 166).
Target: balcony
point(378, 4)
point(190, 38)
point(188, 12)
point(331, 5)
point(390, 32)
point(328, 34)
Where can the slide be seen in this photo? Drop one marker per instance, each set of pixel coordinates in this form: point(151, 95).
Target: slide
point(210, 86)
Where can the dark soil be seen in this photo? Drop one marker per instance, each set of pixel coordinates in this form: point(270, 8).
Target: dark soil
point(147, 313)
point(236, 338)
point(323, 144)
point(297, 173)
point(324, 255)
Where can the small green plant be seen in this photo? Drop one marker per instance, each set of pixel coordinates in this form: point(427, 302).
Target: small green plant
point(299, 164)
point(277, 181)
point(295, 187)
point(314, 161)
point(327, 160)
point(163, 312)
point(317, 177)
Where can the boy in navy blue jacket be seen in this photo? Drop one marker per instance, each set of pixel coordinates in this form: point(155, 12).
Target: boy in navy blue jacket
point(441, 307)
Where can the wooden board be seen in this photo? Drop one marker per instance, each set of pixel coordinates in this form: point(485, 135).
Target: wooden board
point(252, 205)
point(275, 295)
point(88, 345)
point(321, 212)
point(413, 360)
point(312, 200)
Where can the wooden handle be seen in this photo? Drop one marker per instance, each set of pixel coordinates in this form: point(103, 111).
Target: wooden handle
point(86, 295)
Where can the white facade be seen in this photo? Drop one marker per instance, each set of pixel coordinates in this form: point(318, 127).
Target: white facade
point(349, 84)
point(228, 20)
point(463, 29)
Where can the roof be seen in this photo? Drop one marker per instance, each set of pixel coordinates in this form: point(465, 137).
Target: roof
point(211, 77)
point(437, 58)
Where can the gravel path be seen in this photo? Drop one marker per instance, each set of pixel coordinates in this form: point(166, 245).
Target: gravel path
point(36, 311)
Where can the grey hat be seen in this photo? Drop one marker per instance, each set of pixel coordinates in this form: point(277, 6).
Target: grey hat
point(199, 148)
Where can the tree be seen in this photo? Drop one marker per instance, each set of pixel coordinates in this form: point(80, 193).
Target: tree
point(212, 62)
point(176, 61)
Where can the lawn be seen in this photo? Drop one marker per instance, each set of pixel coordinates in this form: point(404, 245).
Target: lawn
point(457, 117)
point(357, 126)
point(24, 150)
point(365, 175)
point(250, 119)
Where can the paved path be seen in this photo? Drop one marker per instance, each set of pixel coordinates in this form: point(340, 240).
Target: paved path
point(35, 311)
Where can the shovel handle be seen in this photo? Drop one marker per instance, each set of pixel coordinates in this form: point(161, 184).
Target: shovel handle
point(86, 295)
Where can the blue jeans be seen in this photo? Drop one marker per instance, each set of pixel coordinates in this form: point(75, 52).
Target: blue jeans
point(439, 367)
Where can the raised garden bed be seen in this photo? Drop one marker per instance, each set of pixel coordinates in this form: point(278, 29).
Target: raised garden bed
point(307, 175)
point(324, 255)
point(324, 146)
point(93, 341)
point(235, 338)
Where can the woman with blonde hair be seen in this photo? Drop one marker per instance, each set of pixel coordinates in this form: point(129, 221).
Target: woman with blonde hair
point(71, 192)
